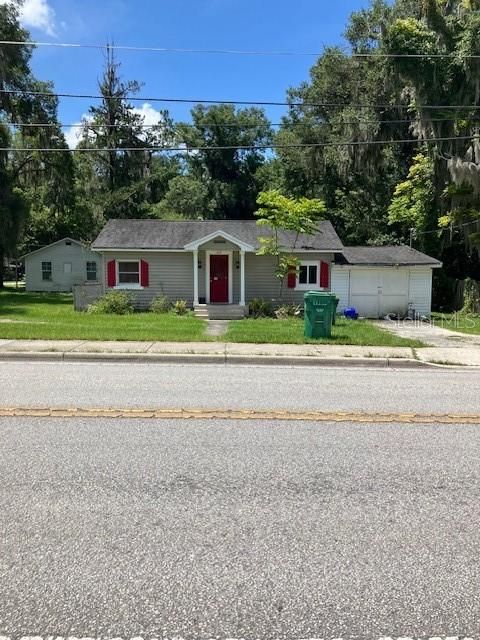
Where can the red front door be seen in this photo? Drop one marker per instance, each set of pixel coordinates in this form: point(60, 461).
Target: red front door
point(218, 279)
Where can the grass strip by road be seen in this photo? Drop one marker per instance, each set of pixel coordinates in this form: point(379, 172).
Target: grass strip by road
point(459, 322)
point(239, 415)
point(290, 331)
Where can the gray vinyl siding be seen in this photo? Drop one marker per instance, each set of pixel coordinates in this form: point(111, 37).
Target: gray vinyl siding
point(260, 280)
point(170, 274)
point(60, 254)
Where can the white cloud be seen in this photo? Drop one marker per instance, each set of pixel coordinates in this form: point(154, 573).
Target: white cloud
point(37, 14)
point(72, 136)
point(149, 114)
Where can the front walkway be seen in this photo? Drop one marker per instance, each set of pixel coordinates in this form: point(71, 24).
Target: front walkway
point(217, 328)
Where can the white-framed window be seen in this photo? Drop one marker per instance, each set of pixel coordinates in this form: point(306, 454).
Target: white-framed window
point(91, 271)
point(308, 275)
point(47, 271)
point(128, 273)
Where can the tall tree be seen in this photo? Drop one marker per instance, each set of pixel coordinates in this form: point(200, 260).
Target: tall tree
point(229, 170)
point(46, 178)
point(121, 170)
point(15, 75)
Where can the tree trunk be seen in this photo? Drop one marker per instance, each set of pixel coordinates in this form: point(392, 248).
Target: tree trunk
point(458, 300)
point(2, 258)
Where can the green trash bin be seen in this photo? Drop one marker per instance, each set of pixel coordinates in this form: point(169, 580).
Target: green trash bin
point(319, 312)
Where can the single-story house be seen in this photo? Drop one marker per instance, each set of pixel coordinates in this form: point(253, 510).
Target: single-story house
point(61, 265)
point(382, 280)
point(214, 266)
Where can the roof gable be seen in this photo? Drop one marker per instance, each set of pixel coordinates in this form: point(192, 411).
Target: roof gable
point(53, 244)
point(219, 234)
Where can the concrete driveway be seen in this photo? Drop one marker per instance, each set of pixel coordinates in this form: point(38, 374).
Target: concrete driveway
point(431, 334)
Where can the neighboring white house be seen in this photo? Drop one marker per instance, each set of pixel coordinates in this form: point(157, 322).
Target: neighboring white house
point(61, 265)
point(382, 280)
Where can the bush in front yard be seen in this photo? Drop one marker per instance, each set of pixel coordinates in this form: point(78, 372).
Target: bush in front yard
point(114, 302)
point(161, 304)
point(285, 311)
point(181, 307)
point(260, 308)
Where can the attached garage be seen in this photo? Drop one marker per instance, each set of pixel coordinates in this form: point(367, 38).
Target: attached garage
point(381, 280)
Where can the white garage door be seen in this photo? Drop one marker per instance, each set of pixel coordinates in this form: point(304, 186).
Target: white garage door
point(376, 292)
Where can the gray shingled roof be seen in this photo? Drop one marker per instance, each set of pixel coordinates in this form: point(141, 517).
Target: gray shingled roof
point(393, 255)
point(166, 234)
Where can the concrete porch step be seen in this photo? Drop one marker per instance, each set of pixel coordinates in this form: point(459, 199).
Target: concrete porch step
point(220, 311)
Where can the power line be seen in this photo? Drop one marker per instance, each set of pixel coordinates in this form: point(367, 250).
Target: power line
point(265, 147)
point(263, 103)
point(416, 233)
point(215, 125)
point(236, 52)
point(227, 125)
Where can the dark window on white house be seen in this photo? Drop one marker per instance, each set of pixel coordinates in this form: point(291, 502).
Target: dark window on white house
point(91, 271)
point(46, 271)
point(308, 274)
point(129, 272)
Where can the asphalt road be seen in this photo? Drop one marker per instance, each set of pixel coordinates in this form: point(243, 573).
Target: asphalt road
point(123, 528)
point(238, 387)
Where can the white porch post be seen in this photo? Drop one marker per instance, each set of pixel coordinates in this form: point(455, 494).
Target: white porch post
point(242, 278)
point(195, 278)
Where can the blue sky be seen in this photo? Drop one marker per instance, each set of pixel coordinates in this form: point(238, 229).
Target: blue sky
point(303, 25)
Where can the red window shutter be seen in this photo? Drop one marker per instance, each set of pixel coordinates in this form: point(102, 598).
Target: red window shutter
point(111, 274)
point(144, 274)
point(292, 278)
point(324, 275)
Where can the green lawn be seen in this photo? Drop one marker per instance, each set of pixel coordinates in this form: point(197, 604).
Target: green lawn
point(36, 316)
point(51, 317)
point(464, 323)
point(355, 332)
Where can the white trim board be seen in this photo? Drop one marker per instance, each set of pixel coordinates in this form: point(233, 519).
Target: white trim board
point(196, 244)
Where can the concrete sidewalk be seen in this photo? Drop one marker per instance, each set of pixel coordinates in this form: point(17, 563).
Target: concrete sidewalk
point(238, 353)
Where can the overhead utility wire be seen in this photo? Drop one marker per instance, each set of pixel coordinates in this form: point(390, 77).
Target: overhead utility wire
point(241, 52)
point(187, 149)
point(227, 125)
point(263, 103)
point(416, 233)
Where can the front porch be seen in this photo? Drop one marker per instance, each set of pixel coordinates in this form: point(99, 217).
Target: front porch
point(219, 290)
point(221, 311)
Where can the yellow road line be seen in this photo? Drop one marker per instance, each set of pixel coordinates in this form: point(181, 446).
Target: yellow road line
point(240, 414)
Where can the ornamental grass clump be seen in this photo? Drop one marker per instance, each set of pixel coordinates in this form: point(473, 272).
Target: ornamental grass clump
point(181, 307)
point(260, 308)
point(161, 304)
